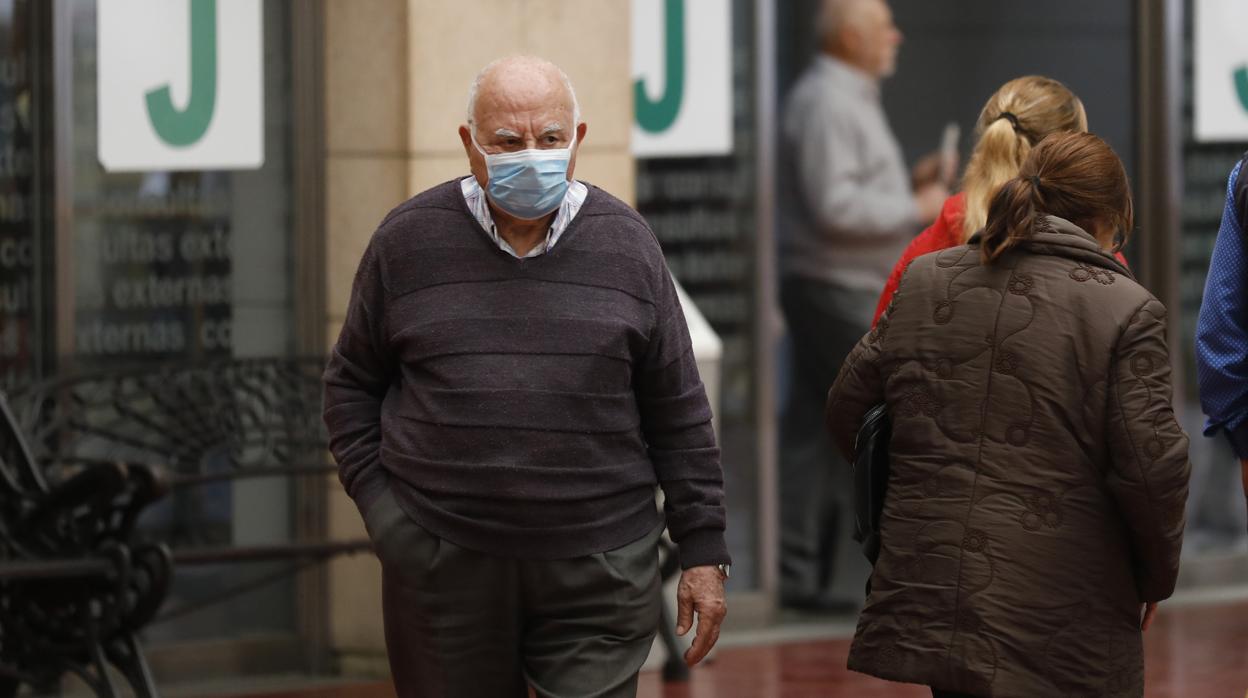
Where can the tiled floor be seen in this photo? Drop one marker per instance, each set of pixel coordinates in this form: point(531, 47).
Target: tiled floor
point(1192, 652)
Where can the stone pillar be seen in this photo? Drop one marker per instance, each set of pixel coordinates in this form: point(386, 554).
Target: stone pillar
point(450, 42)
point(396, 85)
point(366, 78)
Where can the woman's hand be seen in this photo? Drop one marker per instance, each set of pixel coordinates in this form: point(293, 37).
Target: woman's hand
point(1150, 611)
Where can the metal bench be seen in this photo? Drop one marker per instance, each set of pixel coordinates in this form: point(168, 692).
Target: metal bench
point(74, 584)
point(82, 458)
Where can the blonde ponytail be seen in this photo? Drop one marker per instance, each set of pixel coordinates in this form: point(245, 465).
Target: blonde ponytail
point(997, 157)
point(1020, 114)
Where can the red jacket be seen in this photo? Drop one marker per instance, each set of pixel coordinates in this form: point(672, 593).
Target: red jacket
point(944, 233)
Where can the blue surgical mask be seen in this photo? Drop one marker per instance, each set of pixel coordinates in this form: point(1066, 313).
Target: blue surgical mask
point(527, 184)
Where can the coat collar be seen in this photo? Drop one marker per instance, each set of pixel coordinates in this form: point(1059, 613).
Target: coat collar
point(1053, 235)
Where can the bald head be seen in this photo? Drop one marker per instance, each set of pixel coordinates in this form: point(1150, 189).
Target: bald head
point(520, 103)
point(835, 15)
point(524, 81)
point(861, 33)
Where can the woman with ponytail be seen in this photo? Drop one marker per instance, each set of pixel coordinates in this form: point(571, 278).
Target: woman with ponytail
point(1035, 502)
point(1020, 114)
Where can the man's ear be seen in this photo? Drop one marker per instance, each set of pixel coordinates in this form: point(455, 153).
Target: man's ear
point(476, 163)
point(581, 129)
point(851, 41)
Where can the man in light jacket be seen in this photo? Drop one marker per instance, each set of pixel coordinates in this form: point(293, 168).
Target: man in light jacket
point(847, 211)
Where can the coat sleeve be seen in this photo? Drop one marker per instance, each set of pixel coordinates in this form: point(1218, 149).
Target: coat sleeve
point(1222, 329)
point(859, 386)
point(1149, 467)
point(359, 374)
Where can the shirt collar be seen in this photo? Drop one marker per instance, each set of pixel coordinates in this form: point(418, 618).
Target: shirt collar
point(478, 204)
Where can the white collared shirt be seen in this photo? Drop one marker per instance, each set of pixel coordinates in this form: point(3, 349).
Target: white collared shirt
point(474, 196)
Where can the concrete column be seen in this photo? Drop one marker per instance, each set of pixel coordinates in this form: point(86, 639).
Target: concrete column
point(397, 74)
point(450, 42)
point(366, 87)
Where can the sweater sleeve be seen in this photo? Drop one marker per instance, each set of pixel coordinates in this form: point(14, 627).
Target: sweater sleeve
point(359, 374)
point(676, 423)
point(1149, 468)
point(1222, 329)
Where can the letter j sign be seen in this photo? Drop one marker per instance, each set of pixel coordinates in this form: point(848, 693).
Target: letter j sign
point(682, 78)
point(1220, 52)
point(180, 84)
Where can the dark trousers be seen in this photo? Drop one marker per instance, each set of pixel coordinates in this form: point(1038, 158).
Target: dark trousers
point(463, 624)
point(816, 484)
point(937, 693)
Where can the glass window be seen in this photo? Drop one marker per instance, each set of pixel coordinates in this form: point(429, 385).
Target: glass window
point(1215, 520)
point(702, 209)
point(185, 266)
point(20, 300)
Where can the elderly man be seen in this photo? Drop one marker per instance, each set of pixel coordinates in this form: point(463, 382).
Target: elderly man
point(513, 379)
point(847, 212)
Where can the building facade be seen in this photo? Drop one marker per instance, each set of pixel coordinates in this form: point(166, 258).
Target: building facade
point(130, 234)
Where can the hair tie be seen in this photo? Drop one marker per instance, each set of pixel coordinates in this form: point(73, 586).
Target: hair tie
point(1018, 127)
point(1035, 181)
point(1010, 118)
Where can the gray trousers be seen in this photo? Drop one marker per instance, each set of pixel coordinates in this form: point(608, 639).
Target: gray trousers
point(816, 484)
point(463, 624)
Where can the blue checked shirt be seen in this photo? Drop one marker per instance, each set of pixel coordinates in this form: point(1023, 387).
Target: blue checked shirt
point(1222, 330)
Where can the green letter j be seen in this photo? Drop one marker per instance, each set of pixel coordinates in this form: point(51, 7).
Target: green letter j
point(183, 128)
point(1241, 86)
point(658, 116)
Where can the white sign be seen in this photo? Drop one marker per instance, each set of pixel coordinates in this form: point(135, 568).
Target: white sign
point(682, 71)
point(1220, 43)
point(181, 84)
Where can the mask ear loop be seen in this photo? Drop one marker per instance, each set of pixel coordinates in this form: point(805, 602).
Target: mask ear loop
point(472, 134)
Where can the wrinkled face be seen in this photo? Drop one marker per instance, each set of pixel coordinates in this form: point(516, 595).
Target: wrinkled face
point(520, 111)
point(873, 40)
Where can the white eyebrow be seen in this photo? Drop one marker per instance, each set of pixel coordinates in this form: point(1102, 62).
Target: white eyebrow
point(506, 133)
point(555, 127)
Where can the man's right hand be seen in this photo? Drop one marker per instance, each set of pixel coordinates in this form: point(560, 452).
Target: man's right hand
point(928, 201)
point(700, 591)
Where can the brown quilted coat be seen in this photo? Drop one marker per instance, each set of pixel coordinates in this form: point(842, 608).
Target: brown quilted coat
point(1038, 475)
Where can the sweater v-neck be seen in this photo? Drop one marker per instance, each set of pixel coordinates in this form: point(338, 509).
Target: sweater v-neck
point(483, 235)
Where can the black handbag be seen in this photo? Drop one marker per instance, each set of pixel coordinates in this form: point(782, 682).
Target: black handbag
point(871, 478)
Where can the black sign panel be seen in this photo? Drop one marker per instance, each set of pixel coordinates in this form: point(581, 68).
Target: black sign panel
point(18, 293)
